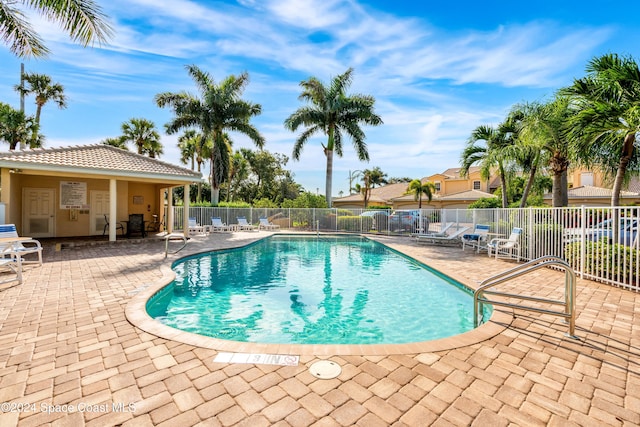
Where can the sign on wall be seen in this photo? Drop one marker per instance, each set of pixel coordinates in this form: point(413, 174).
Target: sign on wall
point(73, 195)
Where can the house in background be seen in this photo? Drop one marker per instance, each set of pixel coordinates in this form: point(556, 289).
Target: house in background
point(591, 188)
point(452, 191)
point(66, 192)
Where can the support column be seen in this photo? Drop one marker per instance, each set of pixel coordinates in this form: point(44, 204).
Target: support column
point(169, 218)
point(185, 214)
point(113, 209)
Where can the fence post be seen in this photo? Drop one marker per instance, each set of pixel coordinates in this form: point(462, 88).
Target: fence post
point(583, 239)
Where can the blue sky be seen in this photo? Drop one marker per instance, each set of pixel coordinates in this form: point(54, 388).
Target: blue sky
point(436, 71)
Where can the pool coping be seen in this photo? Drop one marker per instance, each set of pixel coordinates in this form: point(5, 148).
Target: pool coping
point(136, 314)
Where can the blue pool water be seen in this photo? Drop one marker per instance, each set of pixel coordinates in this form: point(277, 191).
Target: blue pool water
point(313, 290)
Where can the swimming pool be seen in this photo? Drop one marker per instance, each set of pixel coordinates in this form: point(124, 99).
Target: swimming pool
point(313, 290)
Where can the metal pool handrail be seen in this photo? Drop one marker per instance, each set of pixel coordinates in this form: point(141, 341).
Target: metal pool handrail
point(569, 313)
point(174, 236)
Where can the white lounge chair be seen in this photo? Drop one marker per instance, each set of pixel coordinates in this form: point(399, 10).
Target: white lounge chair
point(506, 248)
point(444, 238)
point(266, 225)
point(243, 225)
point(13, 262)
point(18, 247)
point(195, 228)
point(476, 239)
point(217, 225)
point(442, 233)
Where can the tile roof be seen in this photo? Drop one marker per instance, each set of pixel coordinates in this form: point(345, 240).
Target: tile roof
point(95, 159)
point(587, 191)
point(634, 185)
point(378, 194)
point(454, 173)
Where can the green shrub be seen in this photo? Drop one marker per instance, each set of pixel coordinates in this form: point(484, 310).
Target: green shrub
point(486, 203)
point(613, 260)
point(234, 205)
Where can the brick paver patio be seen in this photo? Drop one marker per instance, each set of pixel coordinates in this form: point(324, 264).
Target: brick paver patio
point(70, 357)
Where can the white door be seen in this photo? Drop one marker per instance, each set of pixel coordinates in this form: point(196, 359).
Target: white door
point(99, 208)
point(38, 213)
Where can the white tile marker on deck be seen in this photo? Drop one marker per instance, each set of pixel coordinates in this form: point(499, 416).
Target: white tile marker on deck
point(264, 359)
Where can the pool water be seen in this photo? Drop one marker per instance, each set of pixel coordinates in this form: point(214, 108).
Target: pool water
point(313, 290)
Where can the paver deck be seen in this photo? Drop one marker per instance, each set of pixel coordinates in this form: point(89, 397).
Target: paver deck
point(70, 357)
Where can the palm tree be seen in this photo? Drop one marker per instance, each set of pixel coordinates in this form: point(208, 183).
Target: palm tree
point(490, 155)
point(144, 136)
point(238, 172)
point(187, 146)
point(605, 129)
point(153, 149)
point(543, 138)
point(44, 90)
point(15, 126)
point(332, 113)
point(117, 142)
point(418, 189)
point(219, 109)
point(371, 178)
point(83, 20)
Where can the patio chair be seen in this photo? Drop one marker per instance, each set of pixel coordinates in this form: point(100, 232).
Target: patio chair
point(135, 225)
point(119, 226)
point(243, 225)
point(442, 238)
point(217, 225)
point(266, 225)
point(506, 248)
point(194, 227)
point(477, 238)
point(20, 247)
point(13, 262)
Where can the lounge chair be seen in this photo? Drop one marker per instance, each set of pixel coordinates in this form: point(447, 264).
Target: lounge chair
point(476, 239)
point(266, 225)
point(443, 238)
point(17, 247)
point(506, 248)
point(217, 225)
point(243, 225)
point(14, 263)
point(442, 233)
point(194, 227)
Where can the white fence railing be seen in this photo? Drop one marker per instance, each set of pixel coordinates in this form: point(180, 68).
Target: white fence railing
point(600, 244)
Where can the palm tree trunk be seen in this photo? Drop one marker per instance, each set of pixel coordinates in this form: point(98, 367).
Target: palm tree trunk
point(627, 151)
point(503, 184)
point(564, 188)
point(36, 128)
point(199, 196)
point(556, 192)
point(327, 192)
point(532, 177)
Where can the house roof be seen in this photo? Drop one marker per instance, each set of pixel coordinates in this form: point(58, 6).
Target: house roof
point(634, 185)
point(587, 191)
point(454, 173)
point(378, 194)
point(97, 159)
point(467, 195)
point(463, 195)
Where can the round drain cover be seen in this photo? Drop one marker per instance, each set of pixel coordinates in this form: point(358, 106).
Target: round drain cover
point(325, 369)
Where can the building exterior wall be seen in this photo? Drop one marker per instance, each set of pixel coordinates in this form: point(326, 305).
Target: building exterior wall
point(147, 200)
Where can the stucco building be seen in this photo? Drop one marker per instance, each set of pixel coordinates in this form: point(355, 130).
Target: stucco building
point(64, 192)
